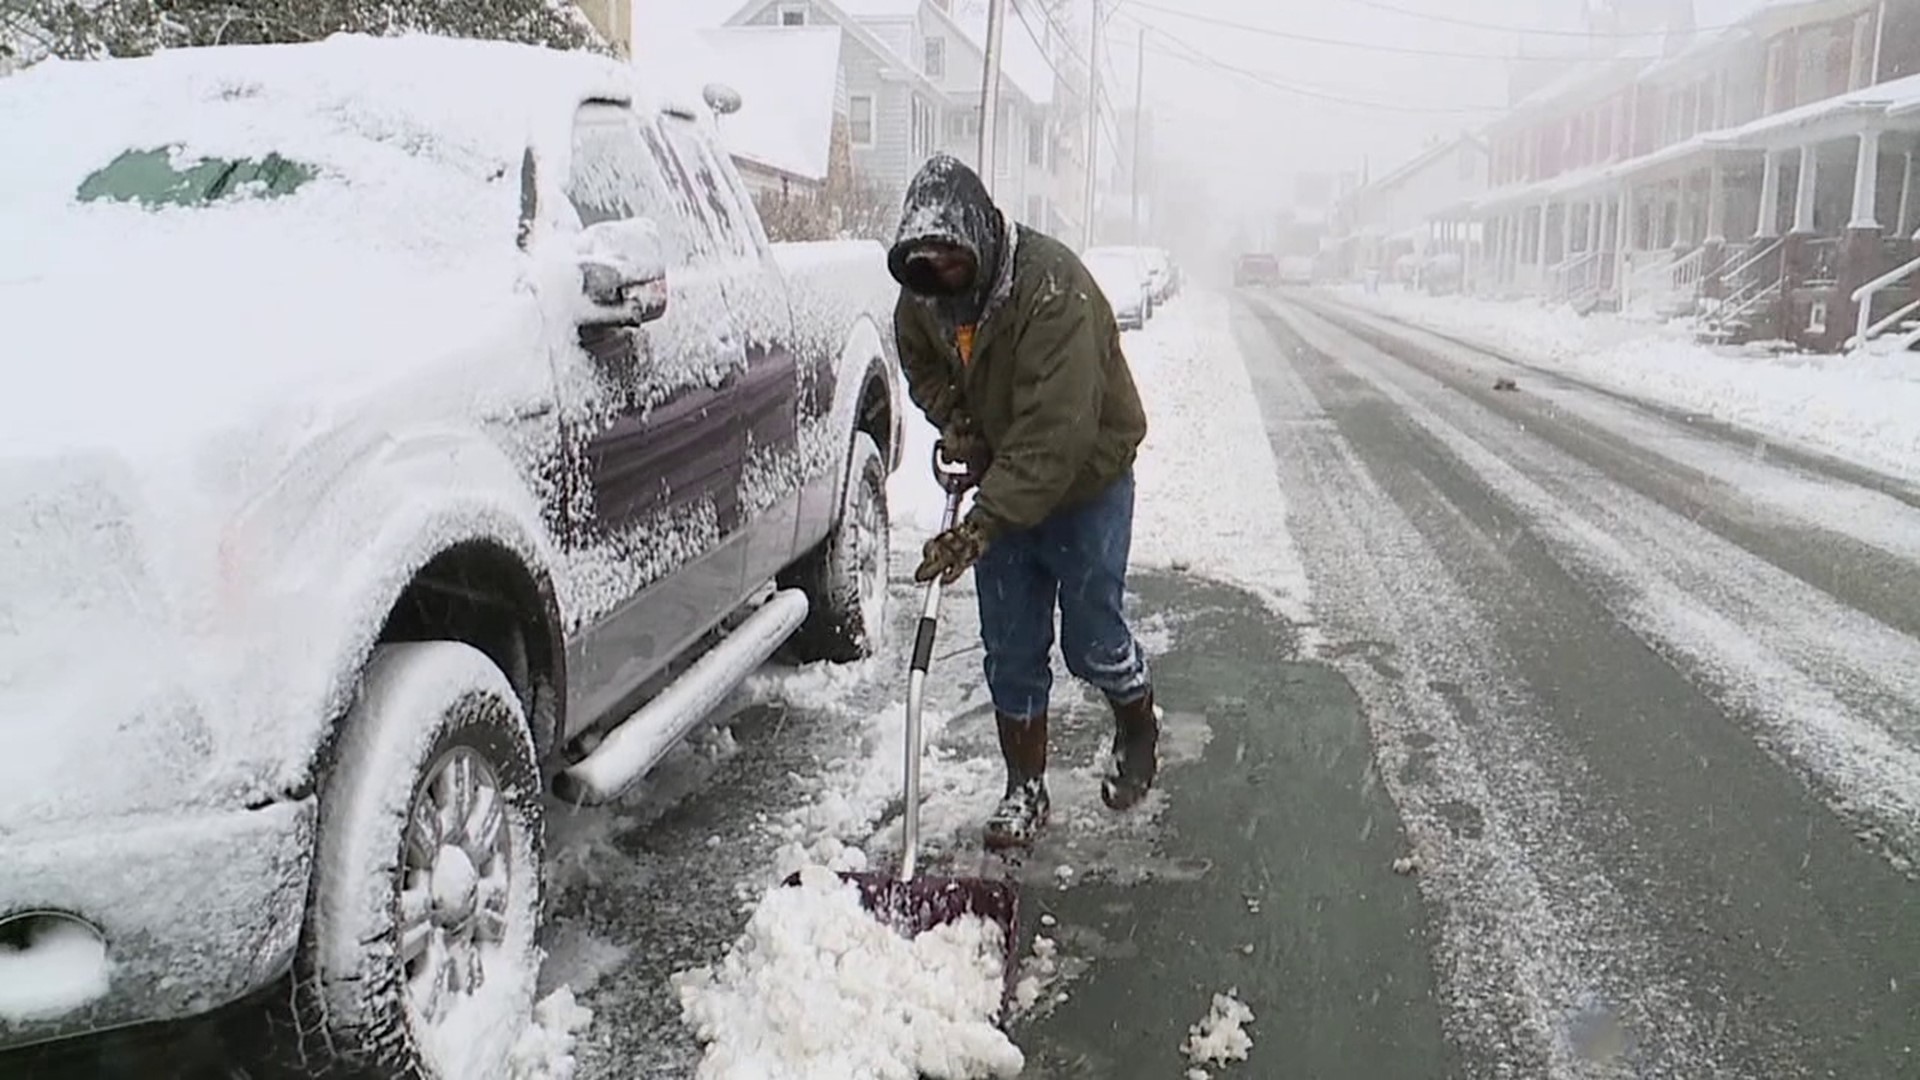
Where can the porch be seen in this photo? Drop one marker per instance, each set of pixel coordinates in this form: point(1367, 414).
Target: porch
point(1797, 227)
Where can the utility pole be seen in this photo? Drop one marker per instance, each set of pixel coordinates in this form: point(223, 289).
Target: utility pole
point(1093, 127)
point(1139, 127)
point(990, 94)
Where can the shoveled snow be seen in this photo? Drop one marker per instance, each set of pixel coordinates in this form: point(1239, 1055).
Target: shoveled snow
point(1220, 1036)
point(818, 989)
point(545, 1049)
point(1863, 407)
point(63, 967)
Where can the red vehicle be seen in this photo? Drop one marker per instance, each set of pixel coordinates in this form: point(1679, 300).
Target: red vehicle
point(1262, 270)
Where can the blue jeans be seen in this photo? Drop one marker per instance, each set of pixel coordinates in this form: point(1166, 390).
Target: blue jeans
point(1077, 560)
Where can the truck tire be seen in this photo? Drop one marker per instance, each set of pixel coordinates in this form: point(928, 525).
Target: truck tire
point(419, 955)
point(845, 578)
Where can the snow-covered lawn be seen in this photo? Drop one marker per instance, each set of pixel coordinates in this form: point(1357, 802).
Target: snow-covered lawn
point(1863, 408)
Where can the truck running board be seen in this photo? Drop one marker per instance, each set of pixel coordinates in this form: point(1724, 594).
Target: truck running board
point(637, 743)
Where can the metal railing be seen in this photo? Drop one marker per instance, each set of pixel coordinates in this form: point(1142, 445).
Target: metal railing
point(1865, 329)
point(1574, 276)
point(1740, 272)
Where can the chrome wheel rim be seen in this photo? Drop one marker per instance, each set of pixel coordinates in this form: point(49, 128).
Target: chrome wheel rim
point(455, 881)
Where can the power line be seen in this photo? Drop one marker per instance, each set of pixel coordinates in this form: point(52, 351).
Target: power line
point(1366, 46)
point(1584, 35)
point(1039, 43)
point(1193, 55)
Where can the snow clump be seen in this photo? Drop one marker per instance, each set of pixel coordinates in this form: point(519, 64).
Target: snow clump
point(1220, 1037)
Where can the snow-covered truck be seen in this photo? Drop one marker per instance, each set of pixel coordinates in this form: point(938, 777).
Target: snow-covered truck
point(393, 429)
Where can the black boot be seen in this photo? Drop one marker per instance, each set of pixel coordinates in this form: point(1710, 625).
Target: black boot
point(1022, 813)
point(1136, 753)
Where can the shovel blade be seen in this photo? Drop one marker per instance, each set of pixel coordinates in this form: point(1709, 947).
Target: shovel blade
point(911, 908)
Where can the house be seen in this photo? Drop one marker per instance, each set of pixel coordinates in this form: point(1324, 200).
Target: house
point(1421, 209)
point(613, 20)
point(791, 130)
point(912, 72)
point(1760, 173)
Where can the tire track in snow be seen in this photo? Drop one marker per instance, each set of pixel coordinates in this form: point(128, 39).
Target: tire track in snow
point(1534, 944)
point(1837, 692)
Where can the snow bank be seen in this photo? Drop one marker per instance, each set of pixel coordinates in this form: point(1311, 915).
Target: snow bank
point(545, 1049)
point(1863, 408)
point(817, 989)
point(1209, 496)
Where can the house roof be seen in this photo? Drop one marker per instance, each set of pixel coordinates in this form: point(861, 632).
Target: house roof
point(897, 66)
point(788, 79)
point(1023, 61)
point(1423, 159)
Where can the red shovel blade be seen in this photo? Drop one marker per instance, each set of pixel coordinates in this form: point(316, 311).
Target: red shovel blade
point(914, 907)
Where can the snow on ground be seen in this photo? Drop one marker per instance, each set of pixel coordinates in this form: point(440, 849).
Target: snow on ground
point(1863, 408)
point(817, 989)
point(1203, 427)
point(1220, 1036)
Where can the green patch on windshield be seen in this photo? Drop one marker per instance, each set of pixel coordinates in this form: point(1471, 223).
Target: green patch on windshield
point(162, 178)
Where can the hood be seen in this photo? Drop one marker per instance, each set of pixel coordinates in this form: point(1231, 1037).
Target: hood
point(946, 202)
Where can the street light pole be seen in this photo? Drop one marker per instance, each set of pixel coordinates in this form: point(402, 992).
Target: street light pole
point(1139, 127)
point(990, 94)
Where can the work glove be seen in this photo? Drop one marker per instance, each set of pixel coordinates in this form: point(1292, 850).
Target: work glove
point(946, 404)
point(961, 444)
point(948, 555)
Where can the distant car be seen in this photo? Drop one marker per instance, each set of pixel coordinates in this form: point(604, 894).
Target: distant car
point(1257, 270)
point(452, 422)
point(1123, 275)
point(1296, 270)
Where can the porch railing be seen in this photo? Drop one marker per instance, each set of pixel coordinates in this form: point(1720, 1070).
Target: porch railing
point(1574, 277)
point(1865, 329)
point(1664, 282)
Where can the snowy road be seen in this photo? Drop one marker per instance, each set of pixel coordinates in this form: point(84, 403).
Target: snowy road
point(1541, 734)
point(1646, 693)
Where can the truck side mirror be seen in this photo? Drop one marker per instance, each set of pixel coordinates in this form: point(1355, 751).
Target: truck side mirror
point(623, 273)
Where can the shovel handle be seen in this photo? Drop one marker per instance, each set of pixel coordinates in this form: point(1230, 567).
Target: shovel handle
point(956, 484)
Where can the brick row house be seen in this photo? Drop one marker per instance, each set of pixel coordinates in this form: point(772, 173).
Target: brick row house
point(1759, 175)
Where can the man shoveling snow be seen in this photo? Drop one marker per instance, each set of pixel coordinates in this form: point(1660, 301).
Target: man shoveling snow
point(1012, 352)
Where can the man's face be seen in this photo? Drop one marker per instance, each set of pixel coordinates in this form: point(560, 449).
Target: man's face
point(947, 266)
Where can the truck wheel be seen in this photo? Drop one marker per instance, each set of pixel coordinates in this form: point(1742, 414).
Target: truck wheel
point(845, 579)
point(419, 956)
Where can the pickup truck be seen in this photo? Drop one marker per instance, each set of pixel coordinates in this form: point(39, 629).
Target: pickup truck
point(395, 430)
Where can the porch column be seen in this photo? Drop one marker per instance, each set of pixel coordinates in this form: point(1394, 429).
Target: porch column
point(1803, 191)
point(1866, 182)
point(1716, 204)
point(1684, 216)
point(1769, 224)
point(1622, 262)
point(1540, 253)
point(1906, 226)
point(1566, 231)
point(1595, 210)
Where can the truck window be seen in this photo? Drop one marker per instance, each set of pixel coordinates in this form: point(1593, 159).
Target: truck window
point(732, 222)
point(702, 234)
point(614, 178)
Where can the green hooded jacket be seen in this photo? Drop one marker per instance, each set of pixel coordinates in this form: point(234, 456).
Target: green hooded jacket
point(1047, 383)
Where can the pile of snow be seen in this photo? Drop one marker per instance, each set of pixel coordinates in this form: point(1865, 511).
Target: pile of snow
point(545, 1049)
point(1862, 407)
point(61, 968)
point(818, 989)
point(1220, 1037)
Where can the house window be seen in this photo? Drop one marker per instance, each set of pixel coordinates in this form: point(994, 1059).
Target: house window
point(963, 124)
point(924, 124)
point(936, 58)
point(860, 119)
point(1036, 142)
point(793, 15)
point(1037, 211)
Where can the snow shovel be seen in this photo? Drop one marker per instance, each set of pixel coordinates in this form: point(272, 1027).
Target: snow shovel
point(905, 900)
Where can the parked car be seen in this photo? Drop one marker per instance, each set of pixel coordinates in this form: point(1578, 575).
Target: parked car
point(1256, 270)
point(377, 445)
point(1126, 280)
